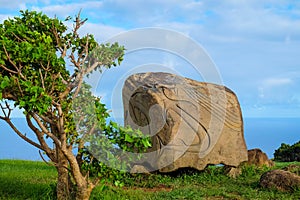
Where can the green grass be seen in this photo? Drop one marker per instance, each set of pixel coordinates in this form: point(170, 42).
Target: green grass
point(36, 180)
point(26, 180)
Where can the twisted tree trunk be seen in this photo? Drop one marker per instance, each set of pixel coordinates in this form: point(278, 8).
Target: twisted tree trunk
point(66, 189)
point(84, 192)
point(64, 186)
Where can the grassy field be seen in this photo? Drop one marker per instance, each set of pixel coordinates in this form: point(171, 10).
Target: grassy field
point(26, 180)
point(36, 180)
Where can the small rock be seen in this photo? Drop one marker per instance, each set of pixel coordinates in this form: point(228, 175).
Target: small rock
point(139, 169)
point(232, 171)
point(280, 180)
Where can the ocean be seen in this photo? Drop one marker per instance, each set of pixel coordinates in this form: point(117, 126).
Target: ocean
point(264, 133)
point(268, 133)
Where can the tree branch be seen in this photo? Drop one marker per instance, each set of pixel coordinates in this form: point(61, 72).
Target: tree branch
point(42, 79)
point(78, 87)
point(6, 115)
point(19, 86)
point(9, 122)
point(9, 70)
point(54, 164)
point(18, 38)
point(78, 23)
point(11, 62)
point(93, 67)
point(47, 119)
point(8, 96)
point(85, 52)
point(40, 137)
point(45, 130)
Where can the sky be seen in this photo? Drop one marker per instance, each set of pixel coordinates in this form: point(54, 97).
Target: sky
point(254, 44)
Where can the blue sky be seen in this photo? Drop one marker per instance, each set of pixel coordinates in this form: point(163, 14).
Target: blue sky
point(255, 44)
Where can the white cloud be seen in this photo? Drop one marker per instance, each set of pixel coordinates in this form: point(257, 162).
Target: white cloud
point(279, 92)
point(272, 89)
point(101, 32)
point(14, 4)
point(226, 19)
point(71, 9)
point(254, 43)
point(275, 82)
point(253, 19)
point(4, 17)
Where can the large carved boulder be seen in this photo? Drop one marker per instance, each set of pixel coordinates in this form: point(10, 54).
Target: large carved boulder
point(192, 124)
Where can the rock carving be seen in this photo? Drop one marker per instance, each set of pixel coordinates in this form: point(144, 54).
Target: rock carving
point(192, 124)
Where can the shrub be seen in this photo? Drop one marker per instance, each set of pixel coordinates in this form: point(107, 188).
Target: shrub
point(288, 153)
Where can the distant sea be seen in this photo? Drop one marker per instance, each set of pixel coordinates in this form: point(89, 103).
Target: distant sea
point(264, 133)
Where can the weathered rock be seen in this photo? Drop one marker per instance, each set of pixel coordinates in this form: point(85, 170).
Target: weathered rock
point(259, 158)
point(232, 171)
point(139, 169)
point(293, 168)
point(192, 123)
point(280, 180)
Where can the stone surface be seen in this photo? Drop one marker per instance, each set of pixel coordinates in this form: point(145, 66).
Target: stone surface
point(192, 124)
point(293, 168)
point(139, 169)
point(232, 171)
point(259, 158)
point(280, 180)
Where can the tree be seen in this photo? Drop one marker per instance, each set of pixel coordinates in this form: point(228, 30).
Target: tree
point(34, 77)
point(288, 153)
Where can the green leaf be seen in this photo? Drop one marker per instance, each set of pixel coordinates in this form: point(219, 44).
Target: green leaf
point(5, 82)
point(22, 104)
point(128, 138)
point(146, 142)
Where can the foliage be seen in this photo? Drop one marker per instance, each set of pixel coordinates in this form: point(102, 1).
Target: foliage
point(56, 102)
point(288, 153)
point(108, 153)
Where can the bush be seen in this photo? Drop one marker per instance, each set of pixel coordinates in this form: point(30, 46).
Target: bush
point(288, 153)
